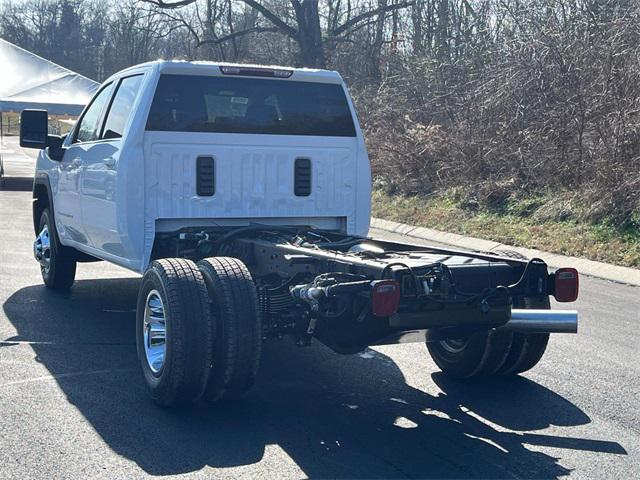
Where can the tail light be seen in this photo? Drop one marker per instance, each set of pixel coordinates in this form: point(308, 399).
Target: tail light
point(385, 297)
point(566, 285)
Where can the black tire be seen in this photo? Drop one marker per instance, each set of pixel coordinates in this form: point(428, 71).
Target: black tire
point(526, 349)
point(494, 352)
point(61, 271)
point(237, 343)
point(182, 376)
point(480, 355)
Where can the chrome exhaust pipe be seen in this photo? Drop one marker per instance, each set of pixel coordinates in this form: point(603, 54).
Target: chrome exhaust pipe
point(542, 321)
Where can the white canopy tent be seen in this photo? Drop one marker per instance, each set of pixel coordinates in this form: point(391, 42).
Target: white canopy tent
point(30, 81)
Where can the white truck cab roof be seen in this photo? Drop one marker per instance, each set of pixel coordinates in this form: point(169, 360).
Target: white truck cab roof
point(201, 67)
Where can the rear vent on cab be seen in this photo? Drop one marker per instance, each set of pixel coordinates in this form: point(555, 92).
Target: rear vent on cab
point(205, 176)
point(302, 177)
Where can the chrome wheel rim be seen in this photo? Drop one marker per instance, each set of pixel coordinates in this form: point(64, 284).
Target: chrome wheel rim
point(155, 331)
point(42, 249)
point(454, 345)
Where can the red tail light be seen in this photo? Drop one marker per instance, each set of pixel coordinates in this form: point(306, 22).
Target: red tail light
point(385, 297)
point(566, 285)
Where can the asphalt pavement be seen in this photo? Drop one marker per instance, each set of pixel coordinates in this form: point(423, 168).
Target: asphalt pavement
point(73, 403)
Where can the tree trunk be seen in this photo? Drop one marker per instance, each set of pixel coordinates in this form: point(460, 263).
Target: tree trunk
point(442, 34)
point(374, 64)
point(417, 40)
point(309, 38)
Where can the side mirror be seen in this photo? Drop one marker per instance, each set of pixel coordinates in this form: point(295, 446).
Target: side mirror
point(34, 127)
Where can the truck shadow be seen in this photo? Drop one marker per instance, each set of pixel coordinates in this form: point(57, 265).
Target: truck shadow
point(332, 416)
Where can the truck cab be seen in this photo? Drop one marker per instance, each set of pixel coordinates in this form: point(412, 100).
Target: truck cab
point(170, 145)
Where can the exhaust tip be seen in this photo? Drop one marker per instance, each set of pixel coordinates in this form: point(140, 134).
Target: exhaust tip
point(542, 321)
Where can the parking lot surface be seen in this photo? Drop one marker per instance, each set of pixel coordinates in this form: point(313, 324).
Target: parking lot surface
point(73, 402)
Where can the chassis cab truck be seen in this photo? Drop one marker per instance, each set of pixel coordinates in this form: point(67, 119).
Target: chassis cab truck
point(242, 194)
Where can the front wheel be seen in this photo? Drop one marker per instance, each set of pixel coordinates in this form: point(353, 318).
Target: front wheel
point(57, 266)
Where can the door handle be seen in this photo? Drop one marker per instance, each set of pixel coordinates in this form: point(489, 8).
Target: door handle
point(110, 162)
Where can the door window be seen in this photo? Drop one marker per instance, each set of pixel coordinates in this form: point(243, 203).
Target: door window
point(88, 129)
point(121, 107)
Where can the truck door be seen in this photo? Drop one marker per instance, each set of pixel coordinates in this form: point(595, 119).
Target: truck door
point(67, 210)
point(100, 170)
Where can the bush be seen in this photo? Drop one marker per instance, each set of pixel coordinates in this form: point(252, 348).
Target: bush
point(551, 111)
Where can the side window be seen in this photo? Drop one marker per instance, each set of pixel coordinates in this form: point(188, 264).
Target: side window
point(121, 107)
point(90, 122)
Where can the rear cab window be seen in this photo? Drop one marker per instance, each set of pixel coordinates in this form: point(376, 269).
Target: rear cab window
point(120, 107)
point(193, 103)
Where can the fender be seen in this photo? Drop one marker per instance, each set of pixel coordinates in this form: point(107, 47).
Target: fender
point(40, 181)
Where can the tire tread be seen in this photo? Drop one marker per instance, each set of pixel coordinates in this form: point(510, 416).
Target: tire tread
point(62, 271)
point(238, 330)
point(185, 373)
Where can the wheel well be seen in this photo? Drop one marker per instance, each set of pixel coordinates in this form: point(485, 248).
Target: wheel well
point(40, 202)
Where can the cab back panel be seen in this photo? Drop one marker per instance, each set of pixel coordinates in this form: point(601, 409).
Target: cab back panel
point(254, 177)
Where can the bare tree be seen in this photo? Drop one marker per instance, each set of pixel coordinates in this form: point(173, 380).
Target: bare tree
point(301, 21)
point(506, 98)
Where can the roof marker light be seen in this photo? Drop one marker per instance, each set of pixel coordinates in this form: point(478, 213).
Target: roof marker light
point(282, 73)
point(255, 71)
point(230, 70)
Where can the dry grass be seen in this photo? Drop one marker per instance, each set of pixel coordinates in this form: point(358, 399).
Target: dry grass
point(600, 242)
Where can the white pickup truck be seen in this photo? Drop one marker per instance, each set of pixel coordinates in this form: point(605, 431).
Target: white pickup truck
point(242, 194)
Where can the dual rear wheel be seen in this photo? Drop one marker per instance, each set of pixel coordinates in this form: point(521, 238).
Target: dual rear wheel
point(198, 330)
point(493, 352)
